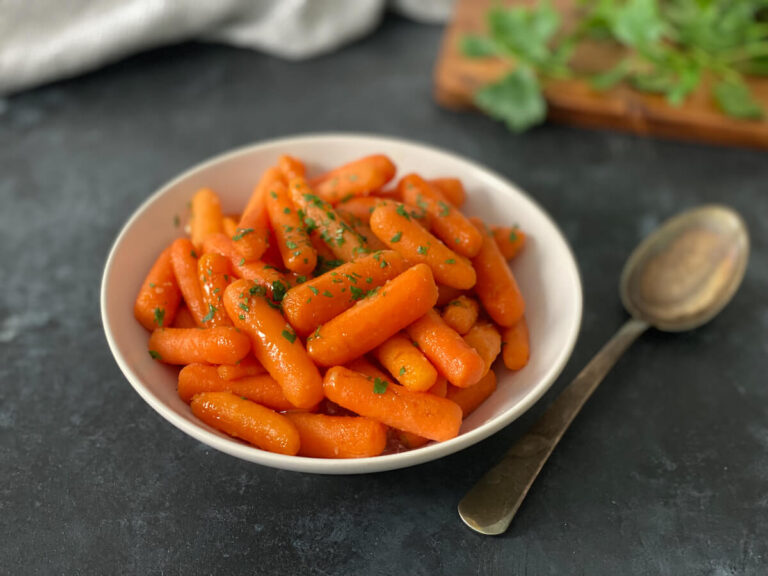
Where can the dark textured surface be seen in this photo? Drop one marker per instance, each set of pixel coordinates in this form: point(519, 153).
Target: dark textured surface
point(665, 471)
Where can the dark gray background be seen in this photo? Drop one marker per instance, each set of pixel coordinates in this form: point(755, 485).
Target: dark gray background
point(665, 471)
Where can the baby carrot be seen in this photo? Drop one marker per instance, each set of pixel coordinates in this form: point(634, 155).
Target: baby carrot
point(485, 338)
point(296, 250)
point(423, 414)
point(454, 358)
point(206, 216)
point(213, 270)
point(440, 388)
point(396, 228)
point(509, 240)
point(275, 344)
point(265, 275)
point(447, 294)
point(361, 207)
point(252, 234)
point(461, 313)
point(222, 345)
point(357, 178)
point(318, 214)
point(313, 303)
point(229, 226)
point(406, 363)
point(291, 167)
point(470, 398)
point(448, 223)
point(325, 436)
point(257, 425)
point(184, 318)
point(517, 347)
point(374, 319)
point(159, 296)
point(452, 189)
point(496, 285)
point(184, 260)
point(248, 366)
point(198, 379)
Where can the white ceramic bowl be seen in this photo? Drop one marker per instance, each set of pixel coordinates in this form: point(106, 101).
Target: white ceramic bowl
point(545, 270)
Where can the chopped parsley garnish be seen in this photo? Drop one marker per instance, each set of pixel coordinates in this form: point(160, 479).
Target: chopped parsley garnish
point(244, 307)
point(193, 253)
point(314, 290)
point(351, 278)
point(151, 284)
point(422, 249)
point(286, 210)
point(155, 355)
point(240, 232)
point(257, 290)
point(451, 261)
point(513, 236)
point(290, 336)
point(379, 386)
point(278, 290)
point(291, 245)
point(403, 212)
point(396, 237)
point(327, 294)
point(211, 312)
point(273, 193)
point(316, 333)
point(310, 224)
point(369, 280)
point(402, 371)
point(159, 316)
point(301, 279)
point(241, 316)
point(445, 209)
point(357, 293)
point(242, 262)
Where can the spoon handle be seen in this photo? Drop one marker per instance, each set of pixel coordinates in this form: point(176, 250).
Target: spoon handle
point(489, 506)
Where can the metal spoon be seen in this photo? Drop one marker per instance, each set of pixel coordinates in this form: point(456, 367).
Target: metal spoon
point(678, 279)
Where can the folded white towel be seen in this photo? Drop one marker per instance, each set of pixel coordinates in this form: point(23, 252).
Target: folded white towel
point(45, 40)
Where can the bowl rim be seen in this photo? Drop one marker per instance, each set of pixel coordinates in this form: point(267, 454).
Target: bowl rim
point(341, 466)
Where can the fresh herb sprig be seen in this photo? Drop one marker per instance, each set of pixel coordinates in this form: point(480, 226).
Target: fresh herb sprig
point(670, 47)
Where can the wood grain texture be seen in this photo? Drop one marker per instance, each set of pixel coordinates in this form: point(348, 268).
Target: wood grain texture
point(575, 102)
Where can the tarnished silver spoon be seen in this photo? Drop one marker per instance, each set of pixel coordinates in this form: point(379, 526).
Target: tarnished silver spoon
point(678, 279)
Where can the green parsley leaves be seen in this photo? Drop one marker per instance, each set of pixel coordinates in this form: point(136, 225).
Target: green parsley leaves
point(379, 386)
point(159, 316)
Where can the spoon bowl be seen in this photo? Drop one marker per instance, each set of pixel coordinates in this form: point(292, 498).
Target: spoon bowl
point(682, 275)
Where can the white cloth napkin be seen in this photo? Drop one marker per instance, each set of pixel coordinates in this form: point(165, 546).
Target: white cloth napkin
point(46, 40)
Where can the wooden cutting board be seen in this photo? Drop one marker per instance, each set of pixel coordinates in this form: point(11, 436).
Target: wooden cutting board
point(575, 102)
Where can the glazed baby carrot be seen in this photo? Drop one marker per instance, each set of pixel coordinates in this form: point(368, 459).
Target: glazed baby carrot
point(374, 319)
point(296, 250)
point(275, 344)
point(397, 229)
point(452, 189)
point(509, 240)
point(485, 338)
point(213, 270)
point(354, 179)
point(206, 216)
point(470, 398)
point(423, 414)
point(461, 313)
point(229, 226)
point(315, 302)
point(406, 363)
point(198, 379)
point(222, 345)
point(447, 294)
point(496, 285)
point(184, 319)
point(454, 358)
point(361, 207)
point(248, 366)
point(272, 280)
point(159, 296)
point(517, 348)
point(184, 260)
point(291, 167)
point(338, 436)
point(252, 234)
point(448, 223)
point(318, 214)
point(257, 425)
point(440, 388)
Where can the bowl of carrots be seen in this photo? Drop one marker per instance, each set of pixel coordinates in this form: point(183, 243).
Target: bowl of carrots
point(340, 303)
